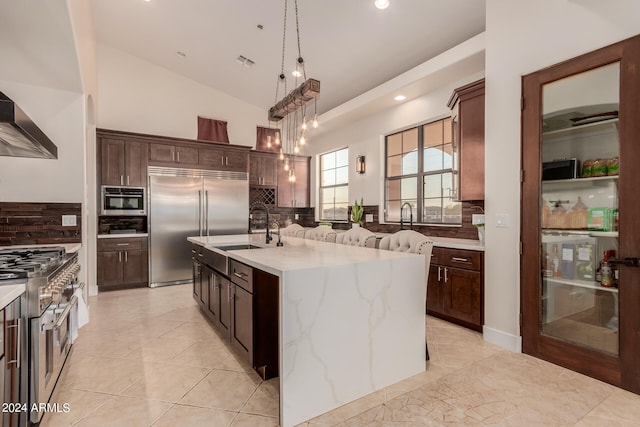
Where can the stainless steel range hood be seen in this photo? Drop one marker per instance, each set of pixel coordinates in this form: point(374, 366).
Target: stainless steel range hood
point(19, 135)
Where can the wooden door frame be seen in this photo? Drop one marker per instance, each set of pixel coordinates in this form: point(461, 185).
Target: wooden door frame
point(619, 371)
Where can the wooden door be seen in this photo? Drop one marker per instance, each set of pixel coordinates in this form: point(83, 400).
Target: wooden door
point(197, 282)
point(109, 268)
point(236, 160)
point(301, 186)
point(136, 160)
point(224, 320)
point(186, 155)
point(242, 321)
point(162, 153)
point(112, 161)
point(464, 290)
point(434, 290)
point(135, 267)
point(586, 107)
point(211, 158)
point(214, 294)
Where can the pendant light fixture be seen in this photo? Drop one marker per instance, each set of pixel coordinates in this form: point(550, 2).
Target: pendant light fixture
point(289, 114)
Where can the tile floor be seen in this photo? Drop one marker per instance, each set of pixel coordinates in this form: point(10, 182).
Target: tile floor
point(149, 358)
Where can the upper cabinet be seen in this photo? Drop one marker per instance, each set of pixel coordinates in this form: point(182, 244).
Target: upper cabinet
point(122, 162)
point(580, 222)
point(294, 193)
point(467, 113)
point(223, 158)
point(263, 169)
point(174, 154)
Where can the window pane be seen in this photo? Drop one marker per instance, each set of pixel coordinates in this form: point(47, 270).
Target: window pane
point(394, 167)
point(448, 131)
point(327, 212)
point(410, 163)
point(328, 161)
point(432, 186)
point(410, 140)
point(393, 189)
point(432, 159)
point(447, 184)
point(394, 144)
point(342, 211)
point(447, 162)
point(342, 195)
point(393, 210)
point(452, 212)
point(406, 213)
point(432, 134)
point(342, 157)
point(342, 175)
point(327, 196)
point(328, 177)
point(432, 211)
point(409, 188)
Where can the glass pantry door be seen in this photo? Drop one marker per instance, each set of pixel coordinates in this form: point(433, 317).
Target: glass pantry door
point(580, 214)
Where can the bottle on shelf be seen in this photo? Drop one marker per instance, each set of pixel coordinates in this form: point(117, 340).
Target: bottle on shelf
point(606, 272)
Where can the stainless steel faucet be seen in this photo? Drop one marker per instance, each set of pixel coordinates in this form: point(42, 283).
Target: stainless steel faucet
point(410, 215)
point(279, 241)
point(266, 211)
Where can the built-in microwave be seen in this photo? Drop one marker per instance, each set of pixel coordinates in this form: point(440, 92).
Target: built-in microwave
point(118, 200)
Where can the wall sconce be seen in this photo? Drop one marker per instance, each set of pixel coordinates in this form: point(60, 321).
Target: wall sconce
point(360, 164)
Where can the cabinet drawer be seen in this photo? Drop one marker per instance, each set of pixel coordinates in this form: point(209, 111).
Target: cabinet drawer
point(241, 275)
point(458, 258)
point(105, 245)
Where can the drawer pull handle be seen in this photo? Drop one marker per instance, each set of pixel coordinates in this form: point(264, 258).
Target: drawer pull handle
point(122, 244)
point(240, 275)
point(459, 259)
point(200, 255)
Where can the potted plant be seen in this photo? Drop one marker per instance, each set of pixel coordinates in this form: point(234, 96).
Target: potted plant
point(357, 213)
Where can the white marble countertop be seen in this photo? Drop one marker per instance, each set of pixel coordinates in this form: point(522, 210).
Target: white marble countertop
point(68, 247)
point(296, 254)
point(448, 242)
point(10, 292)
point(122, 236)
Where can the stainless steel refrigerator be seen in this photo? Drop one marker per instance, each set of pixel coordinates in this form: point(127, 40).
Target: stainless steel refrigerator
point(190, 202)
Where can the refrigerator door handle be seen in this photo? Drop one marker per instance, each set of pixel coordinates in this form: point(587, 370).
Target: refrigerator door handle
point(206, 210)
point(200, 213)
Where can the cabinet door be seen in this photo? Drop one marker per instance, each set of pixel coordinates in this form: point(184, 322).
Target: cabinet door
point(162, 153)
point(214, 294)
point(211, 158)
point(135, 267)
point(242, 321)
point(197, 282)
point(112, 161)
point(224, 319)
point(285, 189)
point(464, 295)
point(136, 160)
point(301, 186)
point(110, 272)
point(236, 161)
point(255, 169)
point(186, 155)
point(434, 290)
point(270, 170)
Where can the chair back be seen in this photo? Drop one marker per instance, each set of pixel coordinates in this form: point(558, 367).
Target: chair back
point(403, 241)
point(357, 237)
point(323, 233)
point(294, 230)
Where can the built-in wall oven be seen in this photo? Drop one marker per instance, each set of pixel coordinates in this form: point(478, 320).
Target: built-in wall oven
point(119, 200)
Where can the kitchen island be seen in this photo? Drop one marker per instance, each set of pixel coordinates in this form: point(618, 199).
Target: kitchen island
point(351, 320)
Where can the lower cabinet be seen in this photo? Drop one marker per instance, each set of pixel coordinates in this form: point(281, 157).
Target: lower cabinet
point(455, 288)
point(243, 307)
point(122, 263)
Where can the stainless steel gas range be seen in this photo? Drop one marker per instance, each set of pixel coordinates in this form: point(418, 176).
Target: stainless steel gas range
point(52, 280)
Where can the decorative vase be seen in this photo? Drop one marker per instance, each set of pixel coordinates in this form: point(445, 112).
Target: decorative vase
point(481, 233)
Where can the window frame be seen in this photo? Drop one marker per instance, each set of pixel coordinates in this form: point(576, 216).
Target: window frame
point(419, 175)
point(320, 209)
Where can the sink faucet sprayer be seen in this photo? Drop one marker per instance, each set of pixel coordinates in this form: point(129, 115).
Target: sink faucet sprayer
point(410, 215)
point(266, 211)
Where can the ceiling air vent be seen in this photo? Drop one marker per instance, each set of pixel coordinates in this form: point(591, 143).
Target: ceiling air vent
point(244, 61)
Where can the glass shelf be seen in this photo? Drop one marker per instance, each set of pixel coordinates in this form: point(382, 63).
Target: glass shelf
point(579, 183)
point(573, 232)
point(579, 283)
point(587, 128)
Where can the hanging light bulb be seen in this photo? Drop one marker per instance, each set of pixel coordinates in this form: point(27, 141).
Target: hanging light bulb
point(299, 68)
point(268, 141)
point(296, 149)
point(304, 123)
point(314, 123)
point(277, 138)
point(286, 165)
point(303, 140)
point(281, 154)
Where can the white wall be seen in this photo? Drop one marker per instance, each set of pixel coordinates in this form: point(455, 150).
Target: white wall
point(523, 36)
point(137, 96)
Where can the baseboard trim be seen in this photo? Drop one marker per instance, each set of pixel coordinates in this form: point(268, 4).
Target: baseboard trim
point(502, 339)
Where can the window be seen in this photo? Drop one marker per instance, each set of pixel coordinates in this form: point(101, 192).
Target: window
point(419, 171)
point(334, 185)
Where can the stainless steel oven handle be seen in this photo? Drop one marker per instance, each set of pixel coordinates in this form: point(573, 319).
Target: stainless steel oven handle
point(65, 313)
point(18, 332)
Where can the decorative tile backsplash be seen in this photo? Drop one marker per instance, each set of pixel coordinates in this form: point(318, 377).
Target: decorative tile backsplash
point(39, 223)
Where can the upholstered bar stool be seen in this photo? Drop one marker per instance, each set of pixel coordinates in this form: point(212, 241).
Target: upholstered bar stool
point(357, 237)
point(412, 242)
point(323, 233)
point(294, 230)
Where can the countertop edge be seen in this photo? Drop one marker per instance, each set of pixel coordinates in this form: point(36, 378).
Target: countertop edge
point(122, 236)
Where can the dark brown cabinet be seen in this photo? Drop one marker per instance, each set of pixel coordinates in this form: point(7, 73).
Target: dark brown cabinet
point(294, 194)
point(173, 154)
point(467, 106)
point(122, 263)
point(455, 287)
point(226, 159)
point(263, 169)
point(123, 162)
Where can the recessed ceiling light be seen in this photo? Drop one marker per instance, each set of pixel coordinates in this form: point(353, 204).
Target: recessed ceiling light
point(382, 4)
point(400, 98)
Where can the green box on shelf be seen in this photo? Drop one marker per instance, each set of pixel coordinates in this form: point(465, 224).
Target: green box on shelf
point(600, 219)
